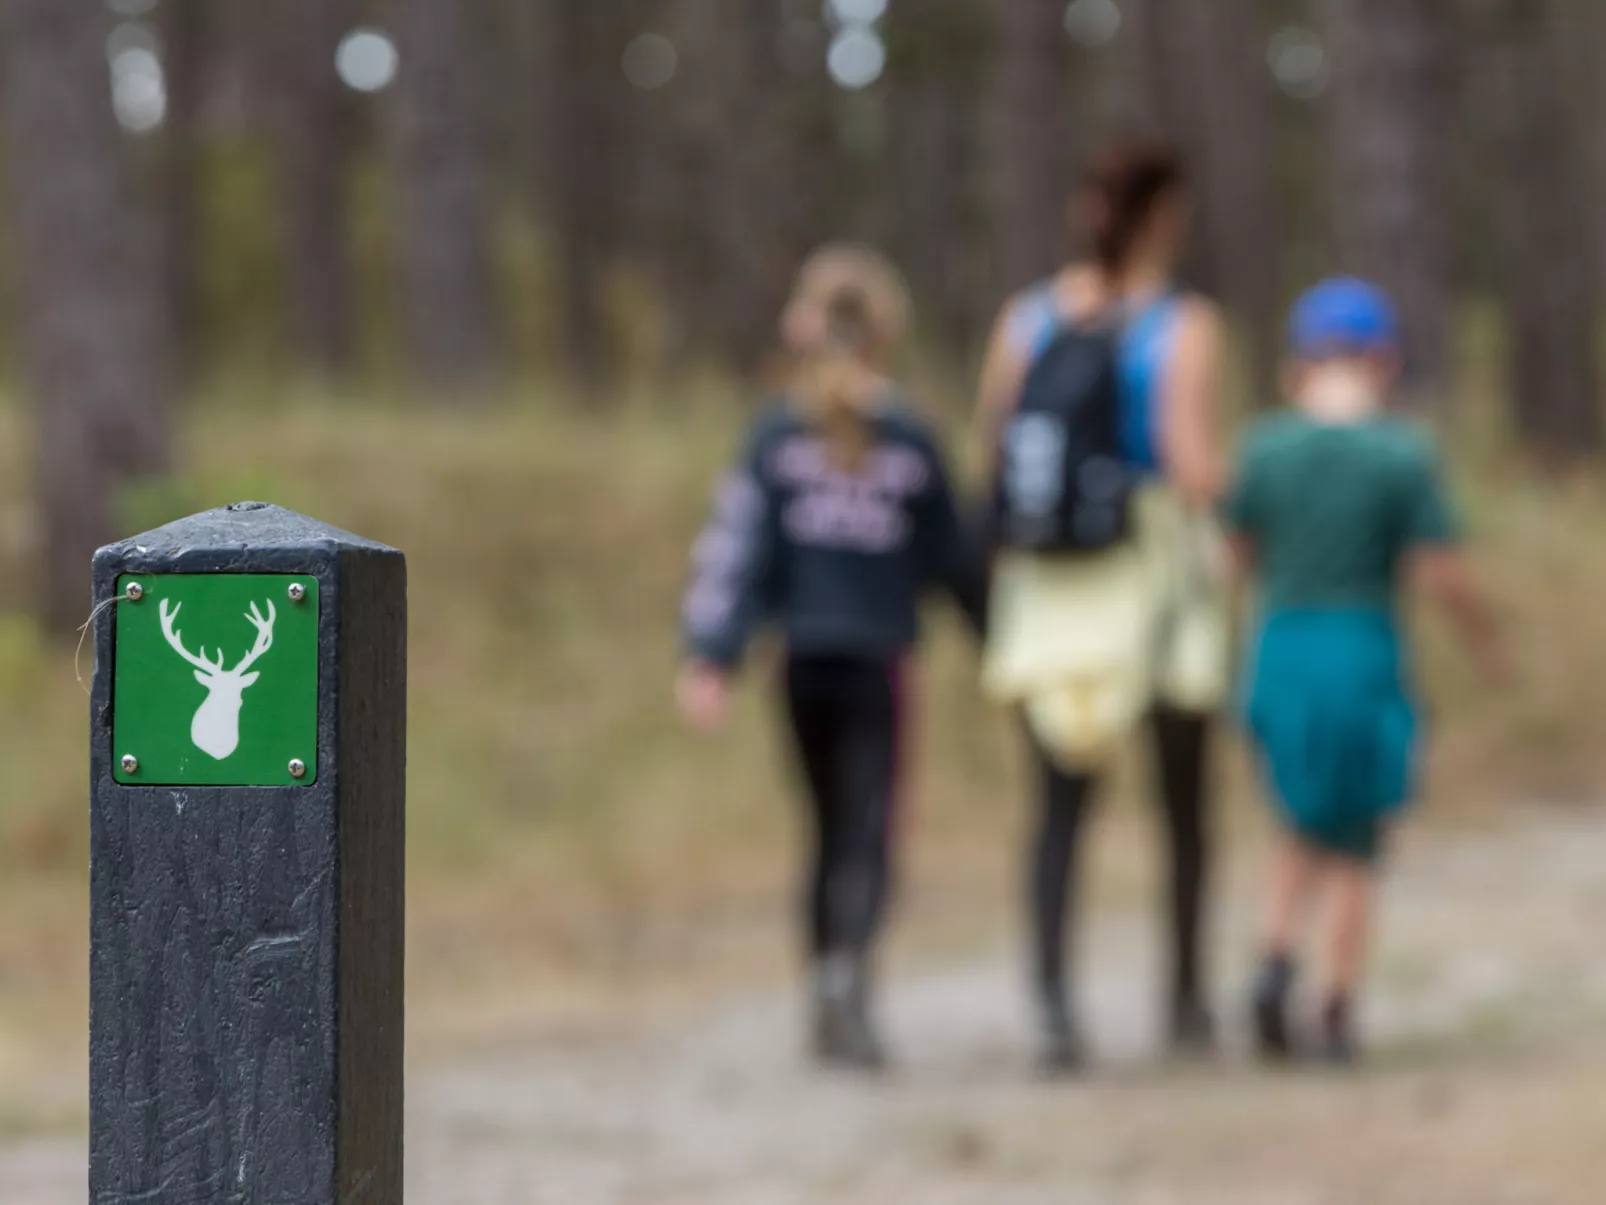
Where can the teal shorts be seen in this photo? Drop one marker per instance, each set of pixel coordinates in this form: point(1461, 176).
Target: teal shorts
point(1333, 719)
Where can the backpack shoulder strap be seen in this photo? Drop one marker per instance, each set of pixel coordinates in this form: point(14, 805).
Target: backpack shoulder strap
point(1036, 320)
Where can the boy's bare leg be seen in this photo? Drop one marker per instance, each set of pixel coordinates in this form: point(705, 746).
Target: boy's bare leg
point(1294, 868)
point(1348, 891)
point(1349, 900)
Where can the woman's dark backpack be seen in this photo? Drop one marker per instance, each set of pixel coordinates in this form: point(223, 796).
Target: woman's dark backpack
point(1063, 485)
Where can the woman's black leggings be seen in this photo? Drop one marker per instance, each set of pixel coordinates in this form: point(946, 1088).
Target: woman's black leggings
point(1180, 743)
point(845, 715)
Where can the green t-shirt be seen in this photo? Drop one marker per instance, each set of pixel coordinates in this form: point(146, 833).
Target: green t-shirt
point(1331, 510)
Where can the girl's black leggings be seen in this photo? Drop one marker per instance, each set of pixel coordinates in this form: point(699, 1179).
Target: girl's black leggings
point(846, 718)
point(1180, 747)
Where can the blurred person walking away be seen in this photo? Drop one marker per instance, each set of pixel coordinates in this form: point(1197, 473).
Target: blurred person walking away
point(1334, 505)
point(1087, 642)
point(837, 519)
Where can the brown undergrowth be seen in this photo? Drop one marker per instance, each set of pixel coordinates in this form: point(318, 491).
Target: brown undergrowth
point(564, 831)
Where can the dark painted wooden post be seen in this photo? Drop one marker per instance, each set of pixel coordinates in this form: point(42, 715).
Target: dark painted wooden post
point(247, 849)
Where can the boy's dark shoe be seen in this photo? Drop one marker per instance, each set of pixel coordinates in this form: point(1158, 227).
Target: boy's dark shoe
point(1273, 987)
point(1338, 1046)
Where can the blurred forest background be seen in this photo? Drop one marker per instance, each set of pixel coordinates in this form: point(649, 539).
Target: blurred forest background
point(491, 280)
point(446, 196)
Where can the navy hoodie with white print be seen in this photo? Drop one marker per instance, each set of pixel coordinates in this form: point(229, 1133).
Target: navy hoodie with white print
point(837, 559)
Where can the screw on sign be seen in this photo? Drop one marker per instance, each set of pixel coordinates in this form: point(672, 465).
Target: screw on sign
point(247, 842)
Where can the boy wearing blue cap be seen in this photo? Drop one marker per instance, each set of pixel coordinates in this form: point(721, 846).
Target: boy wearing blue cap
point(1334, 504)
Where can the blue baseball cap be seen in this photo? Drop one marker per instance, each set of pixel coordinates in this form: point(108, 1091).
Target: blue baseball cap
point(1343, 316)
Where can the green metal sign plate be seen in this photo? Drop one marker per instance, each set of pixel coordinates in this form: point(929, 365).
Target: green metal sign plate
point(215, 680)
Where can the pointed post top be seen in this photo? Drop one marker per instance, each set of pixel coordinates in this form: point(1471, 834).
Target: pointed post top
point(240, 527)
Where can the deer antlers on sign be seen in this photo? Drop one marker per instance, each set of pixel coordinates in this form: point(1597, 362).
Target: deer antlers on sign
point(216, 727)
point(264, 641)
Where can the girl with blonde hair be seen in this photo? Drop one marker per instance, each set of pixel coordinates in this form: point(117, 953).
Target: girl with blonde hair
point(836, 520)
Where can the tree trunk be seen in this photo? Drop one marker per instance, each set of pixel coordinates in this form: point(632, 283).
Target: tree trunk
point(1031, 131)
point(1230, 146)
point(1388, 115)
point(926, 200)
point(91, 331)
point(660, 214)
point(447, 285)
point(932, 146)
point(309, 130)
point(1149, 48)
point(573, 89)
point(755, 187)
point(185, 29)
point(1581, 27)
point(1593, 104)
point(740, 175)
point(1544, 220)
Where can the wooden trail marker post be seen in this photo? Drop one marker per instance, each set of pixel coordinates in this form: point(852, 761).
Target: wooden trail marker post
point(247, 838)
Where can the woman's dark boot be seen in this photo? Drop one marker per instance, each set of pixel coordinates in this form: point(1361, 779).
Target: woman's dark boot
point(1273, 987)
point(1193, 1030)
point(1062, 1052)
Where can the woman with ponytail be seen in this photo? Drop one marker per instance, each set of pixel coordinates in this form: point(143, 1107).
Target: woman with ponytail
point(836, 521)
point(1088, 645)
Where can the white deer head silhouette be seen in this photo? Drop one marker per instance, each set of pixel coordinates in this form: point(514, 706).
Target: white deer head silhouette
point(216, 726)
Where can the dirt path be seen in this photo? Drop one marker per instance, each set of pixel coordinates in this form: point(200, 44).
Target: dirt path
point(1488, 1025)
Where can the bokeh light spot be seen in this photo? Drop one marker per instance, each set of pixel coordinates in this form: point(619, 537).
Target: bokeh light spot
point(856, 58)
point(1298, 62)
point(858, 12)
point(367, 60)
point(1093, 22)
point(650, 61)
point(139, 90)
point(132, 35)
